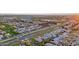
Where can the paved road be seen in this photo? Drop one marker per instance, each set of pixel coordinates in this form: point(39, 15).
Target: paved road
point(29, 35)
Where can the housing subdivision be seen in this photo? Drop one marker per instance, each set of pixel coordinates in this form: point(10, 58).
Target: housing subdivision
point(39, 30)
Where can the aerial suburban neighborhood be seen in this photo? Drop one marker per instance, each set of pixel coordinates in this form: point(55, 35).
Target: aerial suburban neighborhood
point(39, 30)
